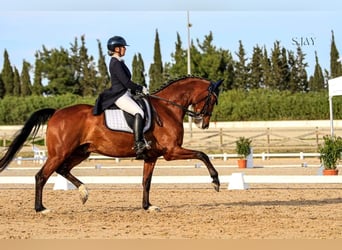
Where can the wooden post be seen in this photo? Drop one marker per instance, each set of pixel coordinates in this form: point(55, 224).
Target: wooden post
point(317, 138)
point(221, 137)
point(268, 140)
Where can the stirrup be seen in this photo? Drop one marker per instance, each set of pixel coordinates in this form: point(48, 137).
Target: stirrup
point(139, 147)
point(148, 144)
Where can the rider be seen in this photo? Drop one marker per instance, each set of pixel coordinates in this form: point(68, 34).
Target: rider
point(122, 89)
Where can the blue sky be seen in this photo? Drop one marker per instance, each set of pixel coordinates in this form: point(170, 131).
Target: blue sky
point(27, 25)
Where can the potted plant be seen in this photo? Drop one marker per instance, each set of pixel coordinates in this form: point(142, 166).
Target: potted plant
point(243, 149)
point(330, 153)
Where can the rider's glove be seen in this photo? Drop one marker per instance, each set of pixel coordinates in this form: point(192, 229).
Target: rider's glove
point(145, 90)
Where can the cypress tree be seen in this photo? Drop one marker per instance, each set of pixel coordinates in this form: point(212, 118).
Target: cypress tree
point(225, 70)
point(141, 64)
point(16, 83)
point(196, 59)
point(256, 70)
point(25, 80)
point(138, 70)
point(276, 67)
point(135, 69)
point(326, 78)
point(229, 77)
point(335, 64)
point(2, 88)
point(37, 88)
point(285, 71)
point(178, 67)
point(294, 72)
point(209, 61)
point(88, 73)
point(298, 80)
point(156, 68)
point(103, 76)
point(301, 74)
point(75, 63)
point(7, 75)
point(266, 69)
point(241, 69)
point(317, 81)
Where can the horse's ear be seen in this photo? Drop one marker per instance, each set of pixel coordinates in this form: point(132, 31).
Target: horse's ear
point(218, 83)
point(214, 86)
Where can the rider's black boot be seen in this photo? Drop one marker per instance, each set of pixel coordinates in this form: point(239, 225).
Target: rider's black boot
point(140, 144)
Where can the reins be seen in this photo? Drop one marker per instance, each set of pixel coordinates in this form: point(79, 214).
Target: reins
point(186, 110)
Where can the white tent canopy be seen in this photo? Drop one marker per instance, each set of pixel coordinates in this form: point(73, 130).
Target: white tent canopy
point(335, 89)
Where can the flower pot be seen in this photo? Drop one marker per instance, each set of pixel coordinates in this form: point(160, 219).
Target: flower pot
point(242, 163)
point(330, 171)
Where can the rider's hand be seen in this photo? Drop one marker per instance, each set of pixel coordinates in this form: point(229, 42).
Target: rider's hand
point(145, 90)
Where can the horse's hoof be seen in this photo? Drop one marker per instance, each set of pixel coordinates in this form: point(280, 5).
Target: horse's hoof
point(45, 211)
point(83, 193)
point(153, 209)
point(216, 186)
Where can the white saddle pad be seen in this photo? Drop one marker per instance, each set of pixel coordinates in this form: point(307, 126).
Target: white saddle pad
point(115, 120)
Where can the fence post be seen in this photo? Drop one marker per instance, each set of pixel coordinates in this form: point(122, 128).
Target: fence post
point(268, 140)
point(221, 138)
point(317, 138)
point(263, 156)
point(225, 156)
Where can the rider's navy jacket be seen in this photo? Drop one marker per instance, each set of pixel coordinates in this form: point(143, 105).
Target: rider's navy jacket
point(120, 77)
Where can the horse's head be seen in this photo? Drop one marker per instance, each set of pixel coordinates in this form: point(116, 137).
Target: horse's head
point(203, 108)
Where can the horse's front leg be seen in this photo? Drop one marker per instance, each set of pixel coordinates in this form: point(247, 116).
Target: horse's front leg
point(147, 178)
point(179, 153)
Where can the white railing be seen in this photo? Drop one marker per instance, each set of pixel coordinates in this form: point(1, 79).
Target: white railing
point(257, 179)
point(226, 156)
point(264, 155)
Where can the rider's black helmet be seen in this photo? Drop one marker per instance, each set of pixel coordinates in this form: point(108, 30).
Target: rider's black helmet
point(116, 41)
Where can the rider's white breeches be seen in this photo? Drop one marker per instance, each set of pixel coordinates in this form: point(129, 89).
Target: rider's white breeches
point(127, 104)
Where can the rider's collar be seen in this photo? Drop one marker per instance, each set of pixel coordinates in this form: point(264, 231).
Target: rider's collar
point(118, 57)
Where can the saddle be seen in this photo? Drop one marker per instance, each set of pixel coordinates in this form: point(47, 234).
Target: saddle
point(119, 120)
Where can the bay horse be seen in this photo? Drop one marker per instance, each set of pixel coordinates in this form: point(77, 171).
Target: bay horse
point(73, 133)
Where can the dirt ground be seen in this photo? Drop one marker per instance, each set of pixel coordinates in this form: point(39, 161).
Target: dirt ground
point(188, 211)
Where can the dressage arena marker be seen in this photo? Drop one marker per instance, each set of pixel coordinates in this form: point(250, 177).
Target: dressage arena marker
point(256, 179)
point(237, 182)
point(62, 184)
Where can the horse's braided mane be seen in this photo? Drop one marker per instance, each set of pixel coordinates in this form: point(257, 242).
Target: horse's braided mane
point(168, 83)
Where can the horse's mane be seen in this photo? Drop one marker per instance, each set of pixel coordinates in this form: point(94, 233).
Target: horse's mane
point(168, 83)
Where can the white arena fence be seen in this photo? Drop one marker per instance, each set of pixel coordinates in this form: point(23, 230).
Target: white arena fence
point(250, 179)
point(40, 156)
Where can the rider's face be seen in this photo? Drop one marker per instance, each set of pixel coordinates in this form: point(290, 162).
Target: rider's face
point(121, 51)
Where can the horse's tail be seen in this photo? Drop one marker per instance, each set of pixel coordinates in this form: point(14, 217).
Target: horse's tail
point(32, 125)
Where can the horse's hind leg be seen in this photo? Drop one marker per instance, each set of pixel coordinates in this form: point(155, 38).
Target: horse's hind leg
point(41, 178)
point(74, 159)
point(65, 172)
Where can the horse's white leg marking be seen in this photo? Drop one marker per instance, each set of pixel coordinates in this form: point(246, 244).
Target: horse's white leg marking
point(153, 208)
point(83, 193)
point(45, 211)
